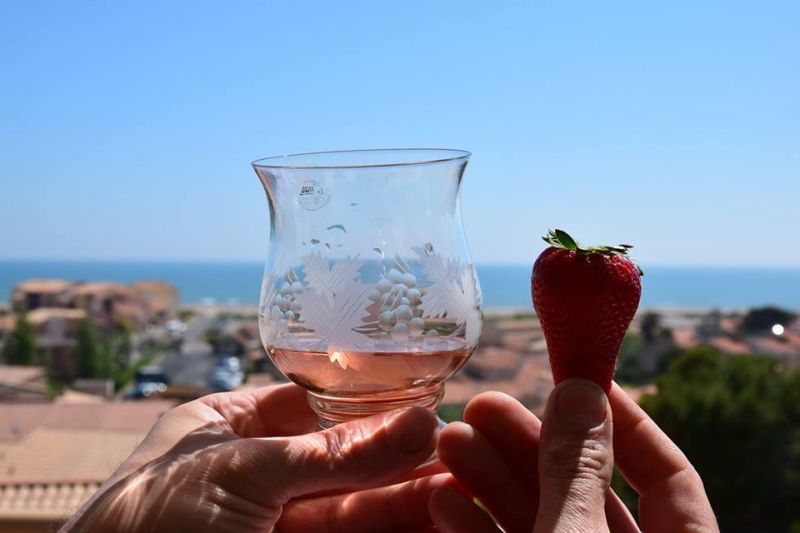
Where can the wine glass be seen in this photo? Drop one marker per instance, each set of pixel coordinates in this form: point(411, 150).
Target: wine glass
point(369, 298)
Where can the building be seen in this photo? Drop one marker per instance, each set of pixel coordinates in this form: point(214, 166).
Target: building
point(53, 456)
point(35, 293)
point(56, 330)
point(107, 304)
point(160, 299)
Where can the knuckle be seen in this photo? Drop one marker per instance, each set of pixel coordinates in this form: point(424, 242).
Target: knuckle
point(335, 447)
point(569, 459)
point(349, 447)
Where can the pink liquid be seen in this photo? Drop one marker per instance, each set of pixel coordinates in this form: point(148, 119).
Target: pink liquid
point(367, 376)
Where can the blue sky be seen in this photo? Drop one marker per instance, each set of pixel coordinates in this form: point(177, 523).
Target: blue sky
point(127, 128)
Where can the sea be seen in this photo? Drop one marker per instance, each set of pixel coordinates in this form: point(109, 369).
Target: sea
point(503, 286)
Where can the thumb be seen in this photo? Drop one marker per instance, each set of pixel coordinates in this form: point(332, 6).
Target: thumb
point(575, 459)
point(356, 454)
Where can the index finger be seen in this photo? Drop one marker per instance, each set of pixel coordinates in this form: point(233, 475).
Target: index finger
point(671, 494)
point(274, 411)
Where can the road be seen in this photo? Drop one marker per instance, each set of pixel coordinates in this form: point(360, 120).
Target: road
point(193, 364)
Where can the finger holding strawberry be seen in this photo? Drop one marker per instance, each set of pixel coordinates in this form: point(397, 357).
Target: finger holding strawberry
point(585, 298)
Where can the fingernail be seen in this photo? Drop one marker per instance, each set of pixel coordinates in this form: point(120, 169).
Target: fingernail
point(581, 404)
point(411, 431)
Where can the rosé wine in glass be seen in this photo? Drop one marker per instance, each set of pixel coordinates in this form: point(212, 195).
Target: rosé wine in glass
point(369, 299)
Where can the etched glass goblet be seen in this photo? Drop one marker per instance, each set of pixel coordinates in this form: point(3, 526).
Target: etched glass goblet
point(369, 300)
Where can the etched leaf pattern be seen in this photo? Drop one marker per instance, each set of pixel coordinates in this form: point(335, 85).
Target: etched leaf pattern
point(334, 303)
point(326, 278)
point(453, 293)
point(436, 300)
point(472, 302)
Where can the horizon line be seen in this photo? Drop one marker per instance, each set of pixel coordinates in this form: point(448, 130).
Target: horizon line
point(478, 263)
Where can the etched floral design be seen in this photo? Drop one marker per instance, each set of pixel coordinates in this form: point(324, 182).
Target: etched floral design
point(334, 303)
point(347, 315)
point(453, 293)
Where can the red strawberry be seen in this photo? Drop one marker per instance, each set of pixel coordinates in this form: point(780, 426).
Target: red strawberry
point(585, 299)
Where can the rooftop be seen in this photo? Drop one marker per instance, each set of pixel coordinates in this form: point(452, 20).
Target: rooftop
point(45, 314)
point(43, 285)
point(60, 455)
point(76, 397)
point(98, 287)
point(26, 502)
point(154, 286)
point(54, 456)
point(14, 376)
point(17, 420)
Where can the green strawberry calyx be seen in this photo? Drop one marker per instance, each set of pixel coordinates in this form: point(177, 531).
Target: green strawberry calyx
point(559, 238)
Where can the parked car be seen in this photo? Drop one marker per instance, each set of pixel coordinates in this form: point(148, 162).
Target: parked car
point(230, 363)
point(225, 379)
point(146, 389)
point(151, 374)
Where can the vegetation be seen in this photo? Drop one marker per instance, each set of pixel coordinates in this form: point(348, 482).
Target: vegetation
point(737, 418)
point(645, 355)
point(451, 413)
point(232, 315)
point(108, 356)
point(124, 375)
point(185, 315)
point(93, 360)
point(20, 346)
point(763, 318)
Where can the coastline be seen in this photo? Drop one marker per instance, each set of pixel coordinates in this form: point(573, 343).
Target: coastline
point(489, 312)
point(505, 288)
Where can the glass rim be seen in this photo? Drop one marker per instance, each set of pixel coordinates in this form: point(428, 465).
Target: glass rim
point(285, 161)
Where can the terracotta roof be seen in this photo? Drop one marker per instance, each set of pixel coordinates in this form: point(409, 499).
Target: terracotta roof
point(771, 346)
point(523, 324)
point(154, 286)
point(520, 340)
point(727, 345)
point(76, 397)
point(43, 285)
point(17, 420)
point(259, 379)
point(531, 385)
point(101, 287)
point(493, 360)
point(12, 376)
point(48, 455)
point(44, 314)
point(7, 322)
point(684, 337)
point(636, 393)
point(730, 324)
point(52, 471)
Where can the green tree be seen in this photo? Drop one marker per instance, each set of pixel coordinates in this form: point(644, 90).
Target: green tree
point(629, 369)
point(92, 355)
point(20, 346)
point(650, 326)
point(737, 418)
point(763, 318)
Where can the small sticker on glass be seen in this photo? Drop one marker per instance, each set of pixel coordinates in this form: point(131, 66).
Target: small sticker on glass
point(312, 195)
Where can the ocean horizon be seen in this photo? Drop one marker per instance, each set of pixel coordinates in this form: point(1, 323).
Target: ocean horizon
point(503, 286)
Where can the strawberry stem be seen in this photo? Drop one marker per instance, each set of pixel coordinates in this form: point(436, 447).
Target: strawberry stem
point(559, 238)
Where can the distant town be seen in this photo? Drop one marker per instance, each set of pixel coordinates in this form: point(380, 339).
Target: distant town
point(87, 367)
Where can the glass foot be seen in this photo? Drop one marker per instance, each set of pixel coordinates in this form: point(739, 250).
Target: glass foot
point(333, 410)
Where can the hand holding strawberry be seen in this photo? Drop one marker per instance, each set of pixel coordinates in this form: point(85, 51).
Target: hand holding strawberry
point(585, 299)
